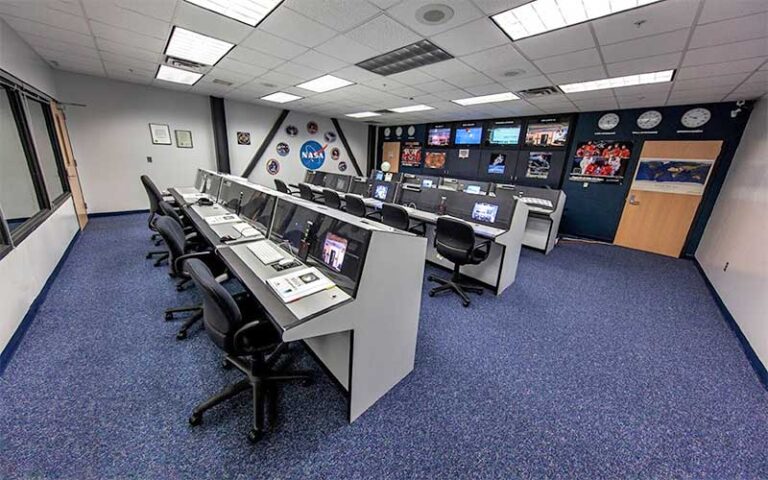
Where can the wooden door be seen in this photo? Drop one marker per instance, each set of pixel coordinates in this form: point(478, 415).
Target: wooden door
point(70, 165)
point(390, 152)
point(666, 190)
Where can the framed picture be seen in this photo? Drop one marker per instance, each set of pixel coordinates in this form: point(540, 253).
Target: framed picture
point(161, 134)
point(183, 138)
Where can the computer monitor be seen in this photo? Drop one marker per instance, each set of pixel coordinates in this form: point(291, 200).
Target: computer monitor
point(334, 250)
point(212, 184)
point(428, 183)
point(380, 192)
point(469, 136)
point(259, 208)
point(379, 175)
point(290, 221)
point(504, 135)
point(359, 186)
point(342, 183)
point(200, 180)
point(484, 212)
point(473, 189)
point(449, 184)
point(439, 137)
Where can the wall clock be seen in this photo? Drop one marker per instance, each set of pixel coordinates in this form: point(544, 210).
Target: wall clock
point(609, 121)
point(399, 131)
point(649, 119)
point(387, 131)
point(695, 117)
point(411, 130)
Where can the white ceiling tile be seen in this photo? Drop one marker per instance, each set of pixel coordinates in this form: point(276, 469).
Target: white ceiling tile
point(658, 18)
point(299, 29)
point(644, 65)
point(406, 13)
point(497, 62)
point(596, 105)
point(240, 67)
point(516, 84)
point(222, 73)
point(645, 47)
point(75, 39)
point(453, 94)
point(407, 92)
point(447, 68)
point(706, 82)
point(412, 77)
point(715, 10)
point(254, 57)
point(471, 37)
point(126, 72)
point(383, 34)
point(97, 70)
point(347, 49)
point(211, 24)
point(657, 89)
point(340, 15)
point(727, 31)
point(130, 62)
point(642, 101)
point(159, 9)
point(487, 89)
point(126, 37)
point(300, 71)
point(474, 79)
point(319, 61)
point(571, 39)
point(23, 26)
point(272, 45)
point(356, 74)
point(83, 57)
point(744, 95)
point(726, 53)
point(694, 98)
point(725, 68)
point(436, 86)
point(579, 75)
point(107, 46)
point(569, 61)
point(66, 48)
point(113, 15)
point(40, 13)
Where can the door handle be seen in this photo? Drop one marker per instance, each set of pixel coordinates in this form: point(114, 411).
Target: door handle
point(632, 200)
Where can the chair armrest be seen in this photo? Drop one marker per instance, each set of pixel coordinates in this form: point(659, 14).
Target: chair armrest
point(180, 260)
point(419, 228)
point(374, 215)
point(485, 244)
point(242, 333)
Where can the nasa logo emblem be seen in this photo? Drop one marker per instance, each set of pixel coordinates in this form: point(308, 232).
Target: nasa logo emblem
point(312, 155)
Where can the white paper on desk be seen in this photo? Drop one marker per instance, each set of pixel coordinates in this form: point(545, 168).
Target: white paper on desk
point(220, 219)
point(297, 285)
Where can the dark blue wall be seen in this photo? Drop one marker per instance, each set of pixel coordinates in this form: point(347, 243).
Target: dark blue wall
point(595, 211)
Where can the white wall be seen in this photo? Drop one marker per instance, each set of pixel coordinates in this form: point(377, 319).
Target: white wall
point(737, 233)
point(111, 140)
point(18, 59)
point(258, 121)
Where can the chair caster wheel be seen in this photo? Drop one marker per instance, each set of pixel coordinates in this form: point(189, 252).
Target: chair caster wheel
point(466, 304)
point(195, 419)
point(226, 365)
point(430, 278)
point(148, 256)
point(179, 288)
point(431, 293)
point(255, 435)
point(168, 316)
point(181, 335)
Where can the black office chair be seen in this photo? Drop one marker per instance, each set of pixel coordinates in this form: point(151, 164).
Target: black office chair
point(155, 197)
point(250, 342)
point(355, 205)
point(181, 249)
point(455, 240)
point(331, 199)
point(167, 210)
point(307, 193)
point(396, 216)
point(282, 187)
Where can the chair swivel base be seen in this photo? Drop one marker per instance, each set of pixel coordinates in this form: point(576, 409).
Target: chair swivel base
point(456, 286)
point(197, 311)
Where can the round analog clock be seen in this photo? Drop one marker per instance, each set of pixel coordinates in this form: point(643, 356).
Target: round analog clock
point(609, 121)
point(399, 131)
point(411, 130)
point(649, 119)
point(695, 117)
point(387, 131)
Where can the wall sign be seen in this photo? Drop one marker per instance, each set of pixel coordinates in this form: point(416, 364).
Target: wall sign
point(283, 149)
point(243, 138)
point(312, 127)
point(312, 155)
point(330, 137)
point(183, 138)
point(161, 134)
point(411, 155)
point(291, 130)
point(273, 166)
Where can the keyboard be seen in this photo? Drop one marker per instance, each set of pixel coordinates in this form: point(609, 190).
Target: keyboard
point(537, 202)
point(265, 252)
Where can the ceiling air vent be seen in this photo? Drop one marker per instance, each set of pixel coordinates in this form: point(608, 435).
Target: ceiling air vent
point(186, 65)
point(539, 92)
point(406, 58)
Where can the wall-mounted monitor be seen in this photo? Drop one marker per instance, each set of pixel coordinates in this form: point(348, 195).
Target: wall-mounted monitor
point(545, 133)
point(497, 163)
point(504, 135)
point(439, 136)
point(468, 135)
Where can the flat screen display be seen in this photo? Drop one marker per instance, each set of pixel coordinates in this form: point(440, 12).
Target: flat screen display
point(439, 137)
point(484, 212)
point(380, 193)
point(427, 183)
point(469, 136)
point(473, 189)
point(435, 160)
point(552, 134)
point(504, 136)
point(334, 250)
point(497, 163)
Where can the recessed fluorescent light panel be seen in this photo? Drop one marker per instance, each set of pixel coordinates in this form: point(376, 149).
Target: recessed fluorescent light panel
point(247, 11)
point(496, 97)
point(411, 108)
point(324, 84)
point(281, 97)
point(196, 47)
point(177, 75)
point(408, 57)
point(618, 82)
point(541, 16)
point(363, 114)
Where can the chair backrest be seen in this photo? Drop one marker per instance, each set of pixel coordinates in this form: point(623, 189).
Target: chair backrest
point(167, 210)
point(221, 315)
point(306, 192)
point(281, 186)
point(331, 198)
point(454, 239)
point(355, 205)
point(395, 216)
point(153, 193)
point(173, 235)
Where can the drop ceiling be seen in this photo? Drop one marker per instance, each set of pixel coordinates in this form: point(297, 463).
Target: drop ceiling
point(719, 48)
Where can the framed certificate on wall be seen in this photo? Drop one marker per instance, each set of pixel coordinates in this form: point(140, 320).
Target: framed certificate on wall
point(183, 138)
point(161, 134)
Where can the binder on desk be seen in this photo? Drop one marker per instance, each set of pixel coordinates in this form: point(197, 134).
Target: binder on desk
point(299, 284)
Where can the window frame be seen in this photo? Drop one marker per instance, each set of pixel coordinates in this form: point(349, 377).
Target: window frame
point(17, 93)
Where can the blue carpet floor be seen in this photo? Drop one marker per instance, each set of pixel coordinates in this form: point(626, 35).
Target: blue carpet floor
point(598, 363)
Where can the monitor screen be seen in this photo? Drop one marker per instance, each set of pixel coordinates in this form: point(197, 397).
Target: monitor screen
point(200, 180)
point(379, 175)
point(334, 249)
point(504, 136)
point(552, 134)
point(474, 189)
point(484, 212)
point(427, 183)
point(212, 185)
point(439, 137)
point(380, 192)
point(469, 136)
point(341, 184)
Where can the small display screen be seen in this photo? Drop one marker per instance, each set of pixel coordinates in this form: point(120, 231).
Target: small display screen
point(474, 189)
point(334, 250)
point(379, 175)
point(427, 183)
point(504, 136)
point(484, 212)
point(439, 137)
point(469, 136)
point(380, 193)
